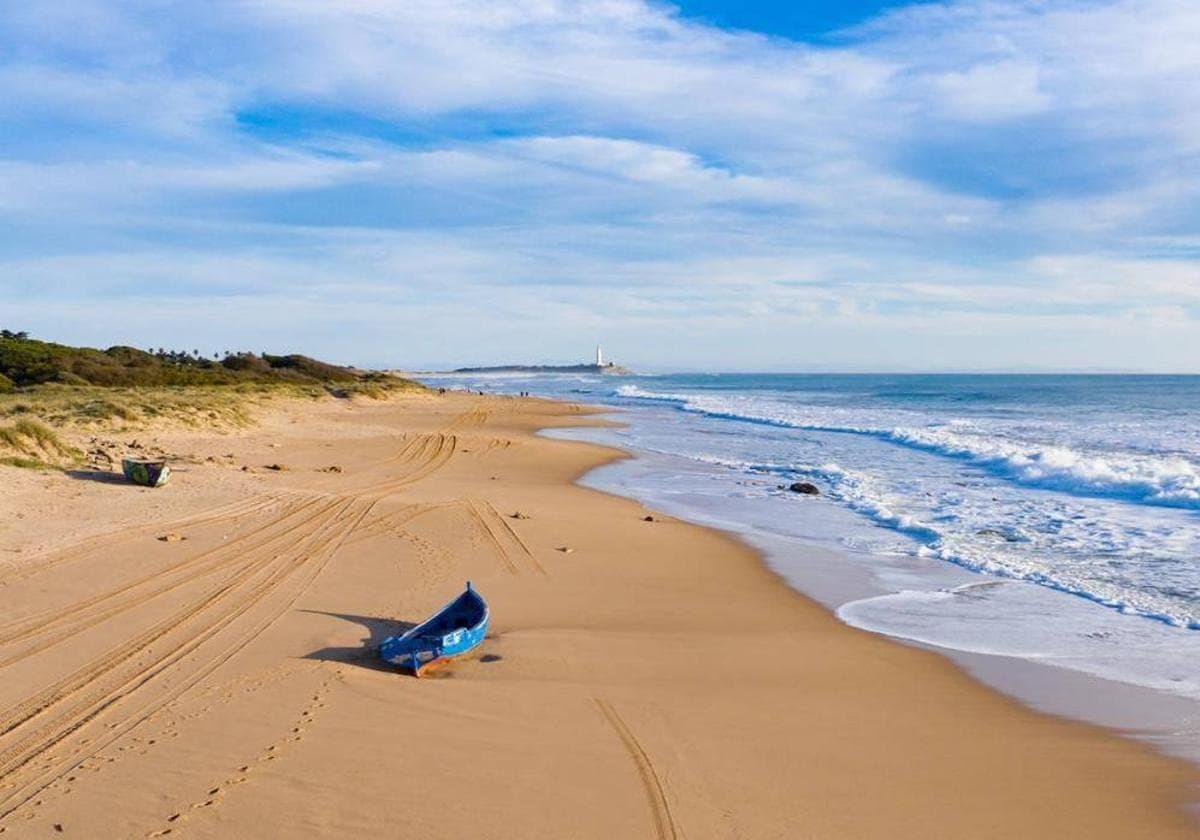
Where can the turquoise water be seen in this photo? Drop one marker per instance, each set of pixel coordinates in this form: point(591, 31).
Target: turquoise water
point(1055, 518)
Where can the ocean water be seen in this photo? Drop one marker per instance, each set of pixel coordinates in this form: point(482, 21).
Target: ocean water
point(1054, 519)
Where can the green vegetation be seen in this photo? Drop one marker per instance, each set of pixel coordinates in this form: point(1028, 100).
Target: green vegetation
point(35, 445)
point(25, 361)
point(46, 387)
point(25, 463)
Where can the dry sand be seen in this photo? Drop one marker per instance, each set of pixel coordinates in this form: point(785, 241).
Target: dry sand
point(654, 681)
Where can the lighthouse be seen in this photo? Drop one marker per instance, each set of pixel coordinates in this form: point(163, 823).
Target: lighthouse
point(599, 356)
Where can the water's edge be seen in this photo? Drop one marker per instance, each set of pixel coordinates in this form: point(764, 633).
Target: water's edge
point(1168, 723)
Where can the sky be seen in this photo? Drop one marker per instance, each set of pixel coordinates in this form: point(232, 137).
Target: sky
point(858, 185)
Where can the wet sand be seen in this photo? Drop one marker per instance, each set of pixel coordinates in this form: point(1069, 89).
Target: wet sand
point(642, 679)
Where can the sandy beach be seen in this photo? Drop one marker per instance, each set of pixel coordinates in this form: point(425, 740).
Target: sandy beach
point(643, 679)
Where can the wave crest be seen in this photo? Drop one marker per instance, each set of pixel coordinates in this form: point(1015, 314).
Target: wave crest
point(1169, 481)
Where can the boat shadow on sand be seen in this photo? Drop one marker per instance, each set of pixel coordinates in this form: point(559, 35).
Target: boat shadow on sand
point(102, 477)
point(365, 654)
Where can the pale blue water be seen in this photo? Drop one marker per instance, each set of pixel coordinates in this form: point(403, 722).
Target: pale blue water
point(1054, 518)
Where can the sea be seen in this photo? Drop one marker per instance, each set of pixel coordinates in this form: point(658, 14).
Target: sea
point(1043, 530)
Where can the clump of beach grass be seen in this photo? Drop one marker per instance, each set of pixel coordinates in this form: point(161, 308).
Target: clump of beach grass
point(34, 445)
point(26, 463)
point(25, 431)
point(374, 386)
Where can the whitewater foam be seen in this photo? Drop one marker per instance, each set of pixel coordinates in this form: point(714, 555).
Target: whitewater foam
point(1172, 481)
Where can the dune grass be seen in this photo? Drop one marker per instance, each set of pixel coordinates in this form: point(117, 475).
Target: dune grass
point(30, 444)
point(35, 420)
point(51, 392)
point(26, 463)
point(91, 408)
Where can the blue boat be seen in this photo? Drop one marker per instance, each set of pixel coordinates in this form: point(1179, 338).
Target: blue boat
point(452, 631)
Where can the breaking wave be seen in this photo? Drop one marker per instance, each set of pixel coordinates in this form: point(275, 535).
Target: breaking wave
point(1164, 480)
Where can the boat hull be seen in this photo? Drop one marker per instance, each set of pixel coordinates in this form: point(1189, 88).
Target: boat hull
point(145, 472)
point(438, 663)
point(450, 633)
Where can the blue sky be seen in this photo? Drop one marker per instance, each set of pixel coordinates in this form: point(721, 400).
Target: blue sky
point(823, 20)
point(852, 186)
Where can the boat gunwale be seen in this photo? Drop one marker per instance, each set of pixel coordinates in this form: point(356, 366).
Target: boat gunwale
point(414, 633)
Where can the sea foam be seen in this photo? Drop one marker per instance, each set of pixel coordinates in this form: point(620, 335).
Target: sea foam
point(1165, 480)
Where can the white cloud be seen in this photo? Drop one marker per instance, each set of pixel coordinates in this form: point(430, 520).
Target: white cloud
point(993, 91)
point(997, 160)
point(100, 186)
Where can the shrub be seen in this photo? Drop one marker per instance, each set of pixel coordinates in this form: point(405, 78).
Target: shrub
point(246, 362)
point(310, 368)
point(26, 362)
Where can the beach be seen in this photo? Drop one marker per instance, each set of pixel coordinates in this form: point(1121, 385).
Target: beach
point(643, 678)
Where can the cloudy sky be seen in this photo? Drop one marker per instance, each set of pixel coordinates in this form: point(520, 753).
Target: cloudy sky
point(742, 185)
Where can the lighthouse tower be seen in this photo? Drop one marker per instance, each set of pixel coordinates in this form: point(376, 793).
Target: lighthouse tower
point(599, 356)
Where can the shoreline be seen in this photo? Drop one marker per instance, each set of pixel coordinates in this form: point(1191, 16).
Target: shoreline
point(834, 578)
point(625, 684)
point(990, 672)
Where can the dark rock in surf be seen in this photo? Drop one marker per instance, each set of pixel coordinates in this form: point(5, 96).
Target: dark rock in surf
point(805, 488)
point(1001, 535)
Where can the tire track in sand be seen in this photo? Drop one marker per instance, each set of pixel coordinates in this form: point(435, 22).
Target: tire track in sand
point(664, 824)
point(430, 452)
point(44, 721)
point(69, 686)
point(478, 518)
point(38, 563)
point(125, 683)
point(504, 528)
point(473, 417)
point(84, 615)
point(420, 457)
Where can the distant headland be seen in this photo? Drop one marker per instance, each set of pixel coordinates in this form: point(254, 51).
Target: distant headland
point(606, 368)
point(598, 366)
